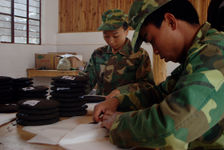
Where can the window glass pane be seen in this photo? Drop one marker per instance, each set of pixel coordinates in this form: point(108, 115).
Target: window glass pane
point(19, 12)
point(20, 1)
point(5, 3)
point(34, 15)
point(34, 3)
point(34, 40)
point(5, 18)
point(37, 1)
point(4, 24)
point(34, 9)
point(20, 20)
point(34, 34)
point(34, 28)
point(34, 22)
point(20, 39)
point(20, 33)
point(19, 26)
point(6, 10)
point(20, 9)
point(4, 38)
point(5, 31)
point(20, 6)
point(34, 12)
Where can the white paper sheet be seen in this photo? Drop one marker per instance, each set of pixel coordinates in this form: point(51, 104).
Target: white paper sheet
point(6, 117)
point(88, 137)
point(84, 133)
point(90, 108)
point(49, 136)
point(52, 134)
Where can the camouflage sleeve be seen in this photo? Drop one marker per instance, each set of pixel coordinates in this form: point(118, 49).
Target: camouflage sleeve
point(144, 74)
point(91, 72)
point(138, 96)
point(144, 71)
point(193, 107)
point(144, 80)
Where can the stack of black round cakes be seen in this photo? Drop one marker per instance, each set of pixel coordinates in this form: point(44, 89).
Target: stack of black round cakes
point(37, 112)
point(33, 92)
point(6, 89)
point(7, 103)
point(67, 90)
point(19, 84)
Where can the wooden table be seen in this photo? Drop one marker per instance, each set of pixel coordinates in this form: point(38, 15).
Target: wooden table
point(49, 73)
point(12, 137)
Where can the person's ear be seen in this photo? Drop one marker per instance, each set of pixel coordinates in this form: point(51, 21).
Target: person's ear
point(170, 20)
point(126, 32)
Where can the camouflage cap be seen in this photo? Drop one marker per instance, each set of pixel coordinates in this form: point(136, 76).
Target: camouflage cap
point(138, 12)
point(113, 19)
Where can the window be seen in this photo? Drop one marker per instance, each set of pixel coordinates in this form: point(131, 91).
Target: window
point(20, 21)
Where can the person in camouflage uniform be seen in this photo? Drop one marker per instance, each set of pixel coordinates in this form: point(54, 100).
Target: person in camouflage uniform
point(188, 106)
point(116, 67)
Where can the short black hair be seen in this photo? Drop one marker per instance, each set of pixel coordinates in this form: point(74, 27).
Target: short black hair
point(125, 26)
point(181, 9)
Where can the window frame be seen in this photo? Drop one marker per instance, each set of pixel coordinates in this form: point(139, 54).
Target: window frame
point(12, 15)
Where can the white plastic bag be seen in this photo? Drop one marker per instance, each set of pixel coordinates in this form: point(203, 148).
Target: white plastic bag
point(64, 64)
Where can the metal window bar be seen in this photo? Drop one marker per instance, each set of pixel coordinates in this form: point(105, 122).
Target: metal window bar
point(40, 25)
point(12, 24)
point(27, 22)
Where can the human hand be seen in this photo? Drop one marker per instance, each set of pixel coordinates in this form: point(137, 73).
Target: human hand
point(101, 108)
point(109, 118)
point(113, 93)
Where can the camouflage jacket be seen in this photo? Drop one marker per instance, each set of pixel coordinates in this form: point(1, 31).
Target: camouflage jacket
point(123, 70)
point(189, 103)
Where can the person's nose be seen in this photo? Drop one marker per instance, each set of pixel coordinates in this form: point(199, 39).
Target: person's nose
point(111, 41)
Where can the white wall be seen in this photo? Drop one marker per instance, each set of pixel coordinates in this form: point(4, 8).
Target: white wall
point(15, 58)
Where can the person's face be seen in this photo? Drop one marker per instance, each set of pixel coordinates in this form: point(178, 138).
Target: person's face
point(166, 41)
point(115, 38)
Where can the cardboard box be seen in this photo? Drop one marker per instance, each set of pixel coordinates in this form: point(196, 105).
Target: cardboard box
point(44, 61)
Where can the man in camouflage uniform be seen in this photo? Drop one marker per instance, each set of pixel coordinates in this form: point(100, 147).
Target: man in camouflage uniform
point(189, 105)
point(116, 67)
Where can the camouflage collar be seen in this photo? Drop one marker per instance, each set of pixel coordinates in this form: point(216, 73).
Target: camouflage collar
point(198, 39)
point(126, 50)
